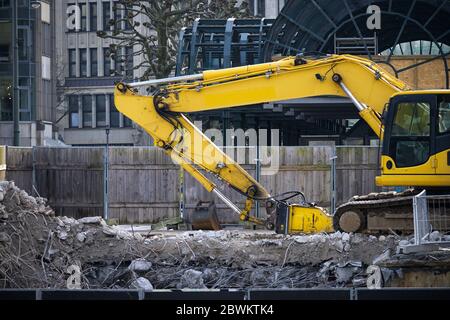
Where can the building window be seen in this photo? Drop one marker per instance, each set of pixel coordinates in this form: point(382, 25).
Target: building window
point(115, 17)
point(83, 12)
point(100, 107)
point(72, 62)
point(4, 53)
point(114, 116)
point(5, 3)
point(22, 40)
point(129, 62)
point(127, 122)
point(106, 16)
point(106, 62)
point(258, 7)
point(83, 62)
point(87, 111)
point(93, 16)
point(24, 103)
point(6, 102)
point(118, 62)
point(94, 63)
point(74, 117)
point(128, 20)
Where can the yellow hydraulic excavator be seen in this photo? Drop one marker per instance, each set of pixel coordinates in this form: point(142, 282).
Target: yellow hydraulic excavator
point(413, 126)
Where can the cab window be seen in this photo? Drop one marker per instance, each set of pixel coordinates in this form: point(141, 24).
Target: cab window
point(444, 116)
point(412, 119)
point(411, 134)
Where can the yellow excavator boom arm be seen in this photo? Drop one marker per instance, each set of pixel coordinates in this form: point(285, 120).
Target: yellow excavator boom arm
point(162, 115)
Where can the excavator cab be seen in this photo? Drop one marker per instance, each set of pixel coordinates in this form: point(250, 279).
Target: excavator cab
point(416, 142)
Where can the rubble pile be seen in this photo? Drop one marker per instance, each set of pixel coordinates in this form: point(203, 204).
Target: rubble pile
point(39, 250)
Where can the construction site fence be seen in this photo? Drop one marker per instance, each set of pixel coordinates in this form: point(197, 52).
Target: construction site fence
point(230, 294)
point(143, 185)
point(431, 223)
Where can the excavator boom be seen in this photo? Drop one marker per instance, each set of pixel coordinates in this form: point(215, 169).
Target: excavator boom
point(162, 114)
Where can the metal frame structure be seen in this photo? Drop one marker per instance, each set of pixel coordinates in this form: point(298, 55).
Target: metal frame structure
point(312, 25)
point(429, 214)
point(215, 44)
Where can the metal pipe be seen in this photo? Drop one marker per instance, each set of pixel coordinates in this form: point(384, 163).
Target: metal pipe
point(16, 112)
point(227, 201)
point(106, 178)
point(165, 80)
point(338, 79)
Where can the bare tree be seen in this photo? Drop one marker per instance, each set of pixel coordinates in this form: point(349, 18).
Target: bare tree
point(223, 9)
point(151, 28)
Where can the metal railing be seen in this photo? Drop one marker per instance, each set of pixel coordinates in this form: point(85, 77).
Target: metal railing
point(431, 223)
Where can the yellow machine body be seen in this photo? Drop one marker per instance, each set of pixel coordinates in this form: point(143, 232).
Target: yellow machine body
point(304, 219)
point(369, 87)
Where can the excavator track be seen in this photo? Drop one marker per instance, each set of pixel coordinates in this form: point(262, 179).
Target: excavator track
point(377, 213)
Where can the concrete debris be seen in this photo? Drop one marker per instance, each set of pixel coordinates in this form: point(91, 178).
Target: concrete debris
point(382, 257)
point(403, 243)
point(192, 279)
point(4, 237)
point(117, 232)
point(62, 235)
point(81, 236)
point(435, 236)
point(141, 283)
point(114, 257)
point(339, 246)
point(345, 237)
point(140, 265)
point(343, 275)
point(358, 264)
point(91, 220)
point(359, 282)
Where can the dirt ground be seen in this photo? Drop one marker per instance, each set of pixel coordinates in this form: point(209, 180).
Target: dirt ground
point(37, 248)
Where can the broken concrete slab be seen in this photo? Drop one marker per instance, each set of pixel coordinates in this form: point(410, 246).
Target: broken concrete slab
point(142, 283)
point(140, 265)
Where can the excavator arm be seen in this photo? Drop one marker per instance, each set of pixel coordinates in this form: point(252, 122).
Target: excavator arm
point(162, 114)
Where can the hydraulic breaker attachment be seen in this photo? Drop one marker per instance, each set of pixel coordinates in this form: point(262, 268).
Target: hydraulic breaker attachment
point(304, 218)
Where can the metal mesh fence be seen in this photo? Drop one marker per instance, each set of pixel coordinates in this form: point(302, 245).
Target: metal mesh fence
point(431, 218)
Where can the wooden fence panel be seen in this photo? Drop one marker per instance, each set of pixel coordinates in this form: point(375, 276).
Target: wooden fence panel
point(71, 179)
point(19, 167)
point(356, 169)
point(144, 182)
point(143, 185)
